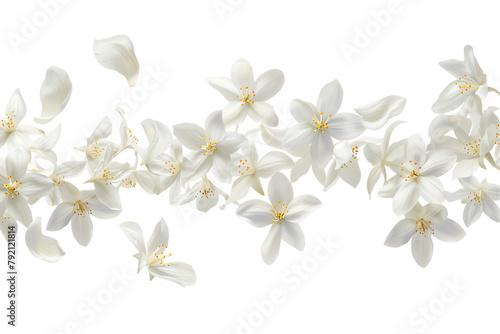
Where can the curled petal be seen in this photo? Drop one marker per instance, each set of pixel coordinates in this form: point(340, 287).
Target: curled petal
point(54, 94)
point(41, 246)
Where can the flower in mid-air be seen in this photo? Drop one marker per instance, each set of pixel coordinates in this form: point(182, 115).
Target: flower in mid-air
point(420, 224)
point(478, 197)
point(319, 124)
point(283, 214)
point(247, 97)
point(155, 254)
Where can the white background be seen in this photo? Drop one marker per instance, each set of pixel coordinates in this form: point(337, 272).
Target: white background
point(363, 286)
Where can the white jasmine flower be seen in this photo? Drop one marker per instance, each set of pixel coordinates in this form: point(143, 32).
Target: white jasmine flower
point(420, 225)
point(246, 96)
point(317, 125)
point(155, 254)
point(205, 193)
point(283, 214)
point(417, 176)
point(478, 198)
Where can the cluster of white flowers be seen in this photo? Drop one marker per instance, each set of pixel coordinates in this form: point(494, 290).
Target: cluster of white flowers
point(324, 140)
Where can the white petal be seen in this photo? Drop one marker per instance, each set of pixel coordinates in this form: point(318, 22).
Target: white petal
point(60, 217)
point(321, 150)
point(293, 235)
point(330, 98)
point(351, 174)
point(6, 225)
point(465, 168)
point(159, 138)
point(102, 130)
point(400, 233)
point(344, 126)
point(491, 209)
point(177, 272)
point(300, 168)
point(240, 187)
point(280, 189)
point(256, 212)
point(82, 229)
point(376, 114)
point(234, 113)
point(298, 136)
point(435, 213)
point(16, 107)
point(332, 176)
point(48, 141)
point(158, 238)
point(302, 111)
point(16, 163)
point(20, 210)
point(271, 163)
point(448, 231)
point(134, 233)
point(108, 195)
point(35, 185)
point(471, 64)
point(242, 74)
point(41, 246)
point(415, 149)
point(214, 126)
point(54, 94)
point(147, 180)
point(373, 177)
point(390, 187)
point(431, 189)
point(117, 53)
point(100, 210)
point(225, 86)
point(301, 207)
point(263, 112)
point(449, 99)
point(268, 84)
point(422, 249)
point(438, 162)
point(472, 212)
point(271, 245)
point(405, 198)
point(190, 135)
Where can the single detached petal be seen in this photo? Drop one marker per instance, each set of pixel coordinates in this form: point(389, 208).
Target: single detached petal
point(301, 207)
point(117, 53)
point(271, 245)
point(401, 233)
point(422, 249)
point(376, 114)
point(41, 246)
point(54, 94)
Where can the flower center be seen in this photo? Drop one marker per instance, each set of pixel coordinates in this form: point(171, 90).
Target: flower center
point(57, 179)
point(411, 170)
point(422, 227)
point(11, 187)
point(130, 181)
point(80, 208)
point(160, 255)
point(467, 86)
point(8, 123)
point(94, 149)
point(320, 123)
point(279, 212)
point(245, 167)
point(354, 156)
point(205, 189)
point(476, 196)
point(172, 167)
point(245, 96)
point(472, 148)
point(210, 146)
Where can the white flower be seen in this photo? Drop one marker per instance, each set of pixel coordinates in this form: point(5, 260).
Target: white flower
point(97, 143)
point(419, 225)
point(205, 193)
point(11, 132)
point(383, 155)
point(376, 114)
point(55, 93)
point(470, 81)
point(283, 214)
point(317, 125)
point(251, 169)
point(169, 168)
point(58, 177)
point(154, 254)
point(478, 198)
point(19, 185)
point(147, 180)
point(211, 147)
point(117, 53)
point(417, 176)
point(346, 167)
point(78, 206)
point(246, 96)
point(41, 246)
